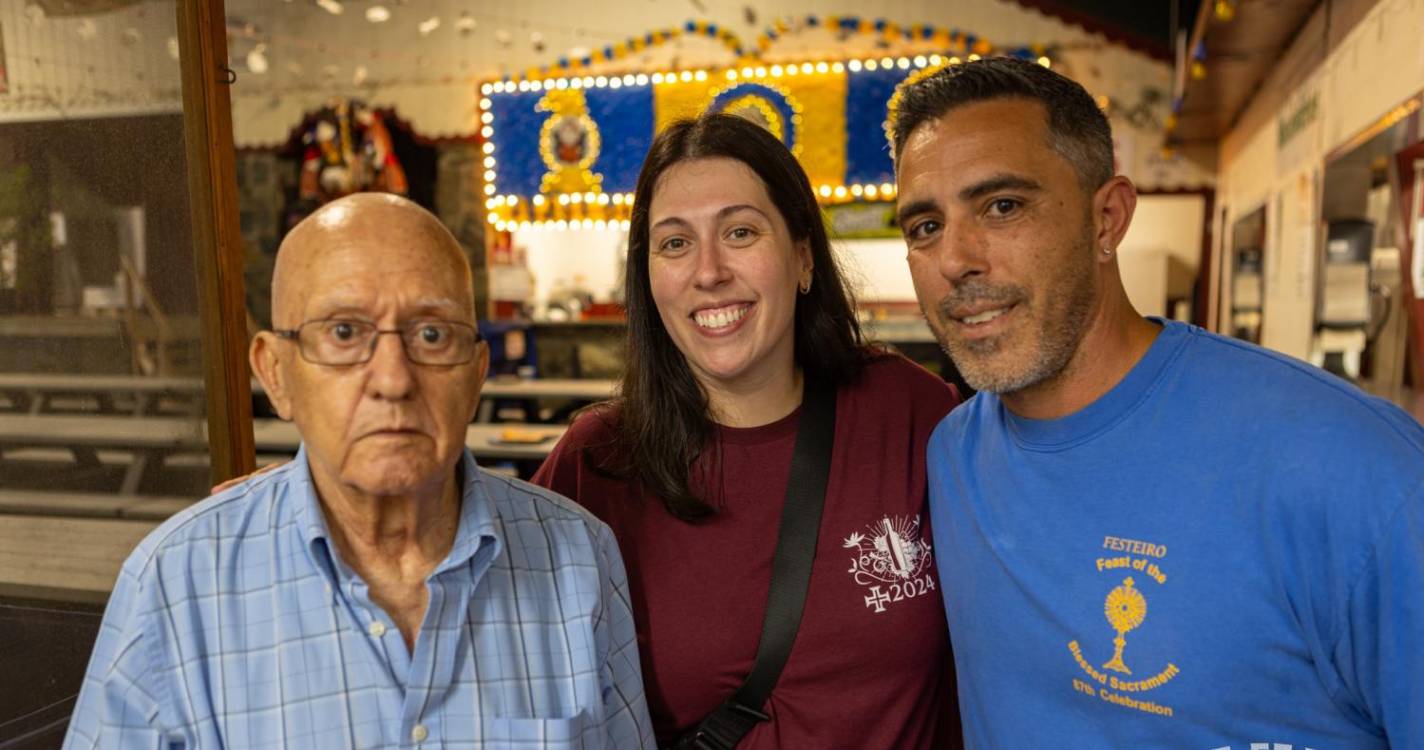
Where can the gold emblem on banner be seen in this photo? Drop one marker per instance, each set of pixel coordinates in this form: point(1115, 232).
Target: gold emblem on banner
point(757, 109)
point(569, 143)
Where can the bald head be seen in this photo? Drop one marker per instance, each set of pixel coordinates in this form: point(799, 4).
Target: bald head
point(381, 231)
point(392, 423)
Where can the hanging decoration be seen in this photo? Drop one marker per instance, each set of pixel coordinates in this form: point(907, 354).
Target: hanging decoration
point(1196, 68)
point(949, 41)
point(766, 104)
point(564, 143)
point(347, 150)
point(569, 144)
point(636, 44)
point(888, 33)
point(565, 152)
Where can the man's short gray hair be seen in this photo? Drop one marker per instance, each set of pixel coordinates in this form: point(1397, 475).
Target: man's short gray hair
point(1077, 129)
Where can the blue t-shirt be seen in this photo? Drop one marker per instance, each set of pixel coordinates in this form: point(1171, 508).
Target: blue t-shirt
point(1224, 551)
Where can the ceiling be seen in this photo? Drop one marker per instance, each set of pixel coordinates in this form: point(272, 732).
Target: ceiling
point(1146, 26)
point(418, 39)
point(1235, 55)
point(427, 58)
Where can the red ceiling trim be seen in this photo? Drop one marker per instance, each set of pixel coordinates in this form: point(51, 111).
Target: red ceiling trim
point(1157, 50)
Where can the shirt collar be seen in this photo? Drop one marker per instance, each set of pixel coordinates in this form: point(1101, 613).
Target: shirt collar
point(478, 523)
point(477, 527)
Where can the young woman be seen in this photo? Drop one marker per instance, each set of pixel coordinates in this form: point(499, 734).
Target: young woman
point(734, 301)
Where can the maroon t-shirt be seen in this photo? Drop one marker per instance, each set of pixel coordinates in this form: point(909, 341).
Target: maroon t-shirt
point(871, 666)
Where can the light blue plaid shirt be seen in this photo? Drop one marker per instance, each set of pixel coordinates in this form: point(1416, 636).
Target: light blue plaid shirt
point(234, 624)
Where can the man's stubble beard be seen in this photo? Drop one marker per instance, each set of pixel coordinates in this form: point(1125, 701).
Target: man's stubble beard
point(1059, 332)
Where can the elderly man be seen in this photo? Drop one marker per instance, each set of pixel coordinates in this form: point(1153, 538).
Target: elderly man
point(1148, 535)
point(380, 590)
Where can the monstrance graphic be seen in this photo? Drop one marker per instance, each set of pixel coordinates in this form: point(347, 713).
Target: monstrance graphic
point(892, 553)
point(1125, 609)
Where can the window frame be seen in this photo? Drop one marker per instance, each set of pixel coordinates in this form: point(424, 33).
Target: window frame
point(217, 238)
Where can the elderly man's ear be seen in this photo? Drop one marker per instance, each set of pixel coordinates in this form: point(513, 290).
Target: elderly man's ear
point(267, 366)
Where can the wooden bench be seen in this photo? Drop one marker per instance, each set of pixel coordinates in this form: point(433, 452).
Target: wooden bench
point(150, 440)
point(52, 552)
point(503, 388)
point(585, 390)
point(38, 393)
point(167, 435)
point(483, 440)
point(90, 504)
point(42, 385)
point(45, 544)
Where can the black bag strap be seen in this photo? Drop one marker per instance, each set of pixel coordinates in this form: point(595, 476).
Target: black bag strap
point(790, 573)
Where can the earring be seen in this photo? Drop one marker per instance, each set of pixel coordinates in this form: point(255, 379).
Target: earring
point(805, 285)
point(1107, 250)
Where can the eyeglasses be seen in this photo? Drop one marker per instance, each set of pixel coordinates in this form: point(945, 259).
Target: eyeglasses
point(353, 342)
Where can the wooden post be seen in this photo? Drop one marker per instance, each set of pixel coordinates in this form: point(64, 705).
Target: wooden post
point(1202, 297)
point(217, 242)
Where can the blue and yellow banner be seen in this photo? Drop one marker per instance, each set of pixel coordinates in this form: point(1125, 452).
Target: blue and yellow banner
point(568, 150)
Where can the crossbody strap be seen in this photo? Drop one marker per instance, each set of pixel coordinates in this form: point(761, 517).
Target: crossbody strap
point(790, 573)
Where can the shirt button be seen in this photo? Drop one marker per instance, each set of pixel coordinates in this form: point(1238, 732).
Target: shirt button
point(376, 628)
point(419, 734)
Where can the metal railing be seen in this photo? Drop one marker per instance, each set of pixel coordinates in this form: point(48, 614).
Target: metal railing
point(144, 362)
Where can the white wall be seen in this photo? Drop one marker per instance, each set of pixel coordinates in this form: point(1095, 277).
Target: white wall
point(1168, 223)
point(590, 257)
point(1377, 66)
point(1288, 307)
point(1144, 277)
point(876, 269)
point(1165, 235)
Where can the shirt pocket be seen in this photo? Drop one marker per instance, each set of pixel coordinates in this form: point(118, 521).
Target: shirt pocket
point(575, 733)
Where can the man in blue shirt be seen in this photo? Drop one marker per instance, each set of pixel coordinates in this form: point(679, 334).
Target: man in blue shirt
point(381, 590)
point(1148, 536)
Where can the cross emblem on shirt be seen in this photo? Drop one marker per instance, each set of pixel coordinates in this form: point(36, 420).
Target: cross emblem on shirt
point(877, 599)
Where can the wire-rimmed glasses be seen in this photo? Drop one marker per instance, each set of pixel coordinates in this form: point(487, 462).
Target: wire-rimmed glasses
point(352, 342)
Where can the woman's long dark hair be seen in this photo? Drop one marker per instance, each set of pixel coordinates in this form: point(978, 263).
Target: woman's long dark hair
point(663, 426)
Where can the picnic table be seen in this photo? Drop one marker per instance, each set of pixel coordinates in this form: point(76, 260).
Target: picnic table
point(495, 441)
point(53, 552)
point(584, 389)
point(37, 393)
point(151, 440)
point(503, 388)
point(148, 439)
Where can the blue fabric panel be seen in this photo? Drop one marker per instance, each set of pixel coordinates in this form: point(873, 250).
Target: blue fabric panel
point(518, 166)
point(771, 96)
point(867, 152)
point(625, 123)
